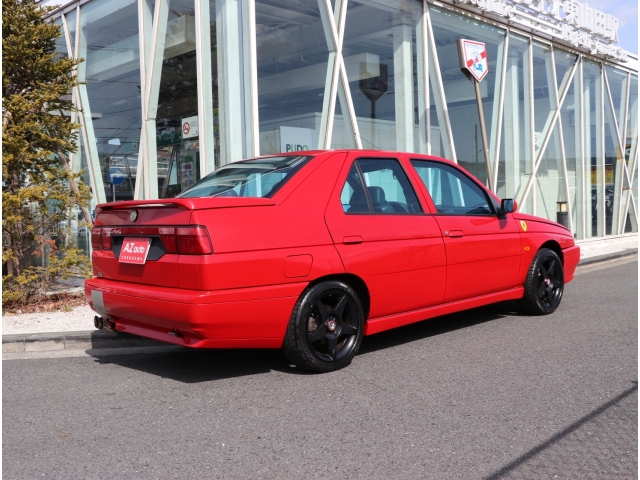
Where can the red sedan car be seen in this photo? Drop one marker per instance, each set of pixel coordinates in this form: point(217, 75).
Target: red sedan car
point(311, 251)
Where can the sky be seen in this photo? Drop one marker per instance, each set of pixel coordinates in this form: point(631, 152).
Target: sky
point(627, 13)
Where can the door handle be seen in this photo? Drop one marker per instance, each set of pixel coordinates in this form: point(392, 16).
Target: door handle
point(352, 239)
point(455, 233)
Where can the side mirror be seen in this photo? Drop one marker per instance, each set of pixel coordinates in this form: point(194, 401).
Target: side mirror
point(507, 205)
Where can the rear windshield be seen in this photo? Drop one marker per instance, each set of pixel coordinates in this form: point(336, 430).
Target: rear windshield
point(261, 177)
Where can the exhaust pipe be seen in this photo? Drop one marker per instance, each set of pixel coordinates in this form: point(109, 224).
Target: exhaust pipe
point(105, 325)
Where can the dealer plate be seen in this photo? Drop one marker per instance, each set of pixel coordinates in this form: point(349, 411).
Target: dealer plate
point(134, 250)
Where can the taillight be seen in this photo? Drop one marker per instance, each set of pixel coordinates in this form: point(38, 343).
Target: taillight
point(106, 238)
point(193, 241)
point(96, 238)
point(168, 238)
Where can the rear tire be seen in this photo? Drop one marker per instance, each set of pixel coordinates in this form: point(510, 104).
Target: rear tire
point(544, 285)
point(326, 328)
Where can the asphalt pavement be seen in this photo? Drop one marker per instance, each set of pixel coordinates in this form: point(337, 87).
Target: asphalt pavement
point(486, 393)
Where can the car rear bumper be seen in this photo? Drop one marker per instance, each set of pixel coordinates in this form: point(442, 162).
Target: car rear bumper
point(571, 257)
point(241, 318)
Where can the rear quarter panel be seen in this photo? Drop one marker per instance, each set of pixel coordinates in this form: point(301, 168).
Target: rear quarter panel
point(251, 245)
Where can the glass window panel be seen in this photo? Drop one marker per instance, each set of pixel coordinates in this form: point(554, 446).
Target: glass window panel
point(631, 146)
point(544, 97)
point(178, 149)
point(250, 178)
point(564, 61)
point(61, 43)
point(593, 146)
point(438, 136)
point(550, 179)
point(452, 192)
point(109, 44)
point(380, 54)
point(569, 116)
point(71, 22)
point(353, 198)
point(388, 187)
point(292, 58)
point(342, 136)
point(515, 163)
point(617, 86)
point(612, 174)
point(448, 27)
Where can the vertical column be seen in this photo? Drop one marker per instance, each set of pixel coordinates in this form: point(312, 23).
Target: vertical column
point(252, 136)
point(145, 25)
point(588, 154)
point(578, 115)
point(600, 170)
point(529, 114)
point(230, 80)
point(512, 127)
point(497, 114)
point(403, 81)
point(560, 192)
point(205, 85)
point(422, 55)
point(152, 90)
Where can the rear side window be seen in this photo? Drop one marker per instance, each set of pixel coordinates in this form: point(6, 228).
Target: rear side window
point(452, 192)
point(261, 177)
point(388, 189)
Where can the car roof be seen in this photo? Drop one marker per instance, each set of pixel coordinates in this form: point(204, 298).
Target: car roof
point(360, 152)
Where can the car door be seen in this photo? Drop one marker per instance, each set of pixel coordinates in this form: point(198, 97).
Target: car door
point(483, 249)
point(383, 235)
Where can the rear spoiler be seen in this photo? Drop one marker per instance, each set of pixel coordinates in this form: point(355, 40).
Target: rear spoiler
point(201, 203)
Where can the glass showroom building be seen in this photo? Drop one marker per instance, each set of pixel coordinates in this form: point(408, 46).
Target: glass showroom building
point(177, 88)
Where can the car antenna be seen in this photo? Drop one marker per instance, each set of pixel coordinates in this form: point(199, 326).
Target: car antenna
point(374, 146)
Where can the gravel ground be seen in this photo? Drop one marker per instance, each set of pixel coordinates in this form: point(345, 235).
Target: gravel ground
point(79, 319)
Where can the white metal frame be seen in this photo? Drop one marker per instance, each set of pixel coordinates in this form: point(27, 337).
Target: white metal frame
point(336, 81)
point(82, 103)
point(205, 83)
point(550, 123)
point(498, 112)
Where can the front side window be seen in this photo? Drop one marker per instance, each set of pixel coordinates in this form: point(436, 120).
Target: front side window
point(387, 188)
point(261, 177)
point(452, 192)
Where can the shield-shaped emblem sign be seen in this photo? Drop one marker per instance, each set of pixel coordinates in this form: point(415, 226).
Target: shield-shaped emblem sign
point(473, 58)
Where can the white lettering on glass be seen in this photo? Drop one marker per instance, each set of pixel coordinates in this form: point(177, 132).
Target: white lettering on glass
point(568, 20)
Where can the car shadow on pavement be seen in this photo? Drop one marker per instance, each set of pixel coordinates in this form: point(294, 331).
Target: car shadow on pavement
point(438, 326)
point(195, 366)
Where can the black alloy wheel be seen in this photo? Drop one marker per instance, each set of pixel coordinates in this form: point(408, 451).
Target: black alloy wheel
point(326, 328)
point(544, 284)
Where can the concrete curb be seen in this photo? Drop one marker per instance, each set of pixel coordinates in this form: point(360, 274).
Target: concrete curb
point(87, 340)
point(93, 340)
point(609, 256)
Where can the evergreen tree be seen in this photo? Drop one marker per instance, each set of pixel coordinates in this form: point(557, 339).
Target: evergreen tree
point(39, 190)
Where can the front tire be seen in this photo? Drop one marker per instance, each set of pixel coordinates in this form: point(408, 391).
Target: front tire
point(544, 285)
point(326, 328)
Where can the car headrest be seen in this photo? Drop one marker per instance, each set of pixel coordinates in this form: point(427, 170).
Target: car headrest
point(358, 198)
point(228, 193)
point(377, 195)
